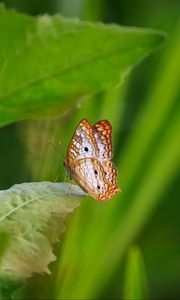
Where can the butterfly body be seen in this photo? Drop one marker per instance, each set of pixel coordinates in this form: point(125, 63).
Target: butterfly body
point(88, 160)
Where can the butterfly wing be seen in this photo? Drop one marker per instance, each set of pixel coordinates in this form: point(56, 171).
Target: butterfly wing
point(88, 159)
point(90, 175)
point(83, 143)
point(110, 174)
point(102, 133)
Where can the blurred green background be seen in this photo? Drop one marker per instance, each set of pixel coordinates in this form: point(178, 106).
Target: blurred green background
point(129, 247)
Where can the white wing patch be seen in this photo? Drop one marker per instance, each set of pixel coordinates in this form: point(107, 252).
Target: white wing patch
point(83, 143)
point(90, 176)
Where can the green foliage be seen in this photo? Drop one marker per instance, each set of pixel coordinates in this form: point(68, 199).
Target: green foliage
point(47, 65)
point(3, 243)
point(32, 215)
point(54, 62)
point(135, 286)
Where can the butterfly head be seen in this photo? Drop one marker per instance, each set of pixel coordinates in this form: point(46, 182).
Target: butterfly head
point(67, 168)
point(65, 164)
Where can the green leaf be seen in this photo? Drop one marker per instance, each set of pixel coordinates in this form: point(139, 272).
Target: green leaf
point(123, 218)
point(33, 215)
point(52, 62)
point(135, 286)
point(3, 243)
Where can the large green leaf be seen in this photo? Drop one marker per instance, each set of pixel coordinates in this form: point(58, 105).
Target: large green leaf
point(3, 243)
point(33, 214)
point(48, 63)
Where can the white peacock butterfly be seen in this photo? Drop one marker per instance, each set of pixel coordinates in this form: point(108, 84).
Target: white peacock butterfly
point(88, 160)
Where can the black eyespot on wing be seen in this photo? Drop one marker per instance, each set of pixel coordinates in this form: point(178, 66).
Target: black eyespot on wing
point(95, 172)
point(86, 149)
point(98, 187)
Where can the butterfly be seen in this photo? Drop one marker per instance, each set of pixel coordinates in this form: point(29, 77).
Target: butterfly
point(88, 160)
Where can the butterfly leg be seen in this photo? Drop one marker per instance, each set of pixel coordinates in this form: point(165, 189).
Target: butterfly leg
point(57, 177)
point(69, 190)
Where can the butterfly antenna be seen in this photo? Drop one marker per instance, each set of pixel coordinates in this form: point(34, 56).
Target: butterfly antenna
point(55, 148)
